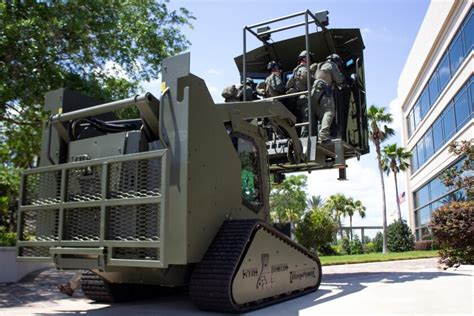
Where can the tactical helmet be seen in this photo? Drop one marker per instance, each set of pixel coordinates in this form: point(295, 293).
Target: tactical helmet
point(273, 64)
point(303, 55)
point(249, 82)
point(334, 58)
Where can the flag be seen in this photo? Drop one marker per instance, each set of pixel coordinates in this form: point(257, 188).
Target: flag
point(401, 197)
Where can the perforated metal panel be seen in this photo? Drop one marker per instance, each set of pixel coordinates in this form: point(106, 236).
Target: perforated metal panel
point(40, 225)
point(42, 188)
point(84, 184)
point(82, 224)
point(131, 179)
point(134, 222)
point(35, 251)
point(126, 192)
point(136, 253)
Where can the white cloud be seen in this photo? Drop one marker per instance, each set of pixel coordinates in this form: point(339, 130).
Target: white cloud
point(396, 111)
point(363, 184)
point(213, 71)
point(365, 31)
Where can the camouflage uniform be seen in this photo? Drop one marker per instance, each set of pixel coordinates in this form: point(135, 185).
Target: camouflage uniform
point(298, 83)
point(274, 86)
point(322, 100)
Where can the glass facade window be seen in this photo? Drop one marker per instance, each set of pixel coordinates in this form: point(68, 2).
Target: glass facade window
point(456, 53)
point(414, 160)
point(460, 47)
point(430, 197)
point(462, 108)
point(433, 88)
point(469, 32)
point(438, 135)
point(449, 122)
point(420, 151)
point(425, 102)
point(444, 72)
point(428, 141)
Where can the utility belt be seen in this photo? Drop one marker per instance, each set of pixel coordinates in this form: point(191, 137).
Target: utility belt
point(324, 88)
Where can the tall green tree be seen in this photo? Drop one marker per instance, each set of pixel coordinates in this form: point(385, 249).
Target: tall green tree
point(354, 207)
point(379, 132)
point(288, 199)
point(316, 230)
point(395, 159)
point(341, 206)
point(102, 48)
point(315, 201)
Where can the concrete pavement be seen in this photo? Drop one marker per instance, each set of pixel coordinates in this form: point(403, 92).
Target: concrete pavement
point(413, 287)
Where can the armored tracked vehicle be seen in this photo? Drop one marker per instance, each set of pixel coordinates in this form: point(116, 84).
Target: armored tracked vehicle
point(180, 195)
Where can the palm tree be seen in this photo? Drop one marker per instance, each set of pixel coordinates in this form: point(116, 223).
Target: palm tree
point(352, 208)
point(395, 159)
point(377, 134)
point(315, 202)
point(339, 206)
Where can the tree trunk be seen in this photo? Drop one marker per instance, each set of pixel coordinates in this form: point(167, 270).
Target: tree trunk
point(398, 200)
point(350, 225)
point(384, 202)
point(340, 226)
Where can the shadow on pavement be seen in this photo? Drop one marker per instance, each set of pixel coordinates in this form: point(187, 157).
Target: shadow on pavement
point(333, 287)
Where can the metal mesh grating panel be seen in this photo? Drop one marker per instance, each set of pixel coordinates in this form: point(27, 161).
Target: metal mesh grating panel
point(41, 225)
point(136, 253)
point(133, 179)
point(134, 222)
point(42, 188)
point(34, 252)
point(82, 224)
point(84, 184)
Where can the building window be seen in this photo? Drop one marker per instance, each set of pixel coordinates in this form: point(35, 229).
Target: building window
point(433, 88)
point(449, 122)
point(459, 48)
point(456, 53)
point(444, 73)
point(469, 32)
point(462, 108)
point(438, 138)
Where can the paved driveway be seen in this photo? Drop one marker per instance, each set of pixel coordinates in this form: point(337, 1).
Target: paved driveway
point(415, 287)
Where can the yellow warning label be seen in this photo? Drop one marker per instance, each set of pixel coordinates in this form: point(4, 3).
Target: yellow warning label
point(60, 110)
point(163, 86)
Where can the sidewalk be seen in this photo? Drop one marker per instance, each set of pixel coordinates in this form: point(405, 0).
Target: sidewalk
point(415, 287)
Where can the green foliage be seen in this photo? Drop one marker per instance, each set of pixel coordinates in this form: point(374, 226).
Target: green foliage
point(461, 177)
point(101, 48)
point(356, 246)
point(316, 230)
point(365, 240)
point(7, 239)
point(400, 238)
point(378, 242)
point(453, 229)
point(288, 199)
point(341, 206)
point(344, 246)
point(369, 247)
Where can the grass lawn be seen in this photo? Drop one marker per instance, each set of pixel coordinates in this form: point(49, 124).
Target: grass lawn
point(375, 257)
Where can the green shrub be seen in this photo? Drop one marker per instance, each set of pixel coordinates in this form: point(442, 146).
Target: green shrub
point(452, 226)
point(365, 240)
point(344, 246)
point(328, 250)
point(399, 237)
point(356, 246)
point(7, 239)
point(378, 242)
point(369, 247)
point(316, 230)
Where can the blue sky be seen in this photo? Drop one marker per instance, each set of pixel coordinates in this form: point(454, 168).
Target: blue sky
point(388, 27)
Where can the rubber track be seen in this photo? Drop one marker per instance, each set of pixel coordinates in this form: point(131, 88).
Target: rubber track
point(211, 282)
point(96, 288)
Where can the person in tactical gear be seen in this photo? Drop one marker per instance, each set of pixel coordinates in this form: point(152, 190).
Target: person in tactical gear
point(249, 89)
point(298, 83)
point(236, 93)
point(273, 85)
point(328, 74)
